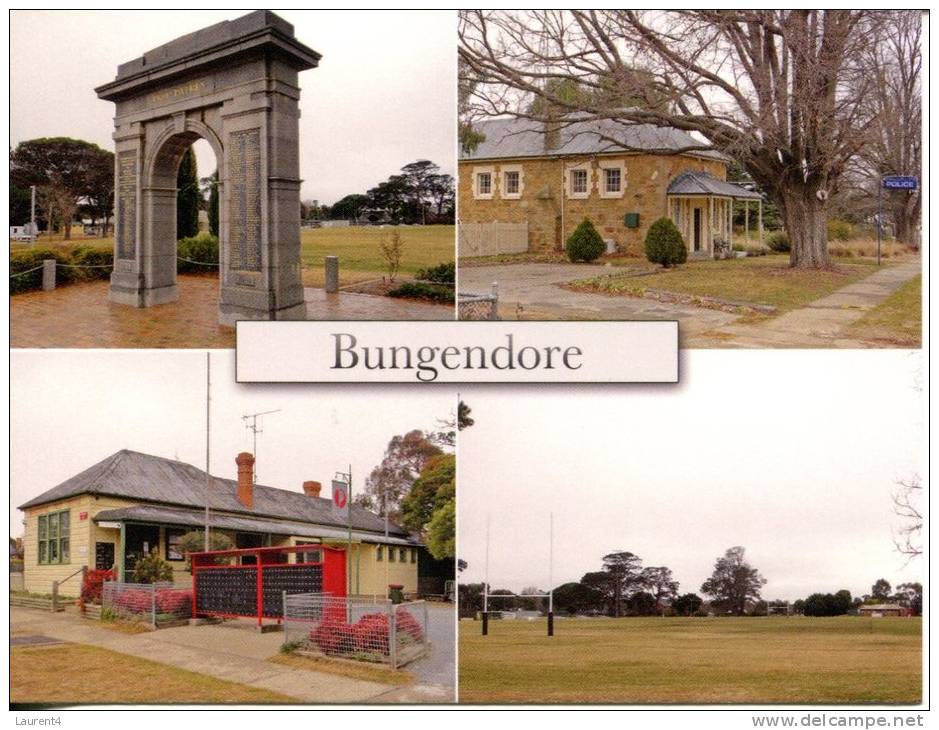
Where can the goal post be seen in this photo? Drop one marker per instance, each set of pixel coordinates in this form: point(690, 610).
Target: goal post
point(487, 596)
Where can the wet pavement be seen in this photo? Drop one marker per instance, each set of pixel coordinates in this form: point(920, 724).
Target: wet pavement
point(80, 315)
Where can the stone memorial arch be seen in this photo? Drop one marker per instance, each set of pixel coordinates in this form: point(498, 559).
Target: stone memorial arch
point(233, 84)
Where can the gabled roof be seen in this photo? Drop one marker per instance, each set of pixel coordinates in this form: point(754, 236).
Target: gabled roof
point(703, 183)
point(148, 478)
point(510, 138)
point(156, 514)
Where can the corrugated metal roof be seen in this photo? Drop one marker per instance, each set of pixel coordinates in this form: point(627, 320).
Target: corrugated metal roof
point(510, 138)
point(702, 183)
point(170, 516)
point(134, 475)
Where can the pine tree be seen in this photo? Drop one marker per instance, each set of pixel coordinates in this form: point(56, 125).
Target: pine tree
point(213, 205)
point(187, 197)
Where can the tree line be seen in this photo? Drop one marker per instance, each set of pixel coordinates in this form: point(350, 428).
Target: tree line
point(419, 194)
point(624, 587)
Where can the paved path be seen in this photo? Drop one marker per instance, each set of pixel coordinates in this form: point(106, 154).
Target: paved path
point(435, 675)
point(231, 652)
point(534, 287)
point(80, 315)
point(820, 324)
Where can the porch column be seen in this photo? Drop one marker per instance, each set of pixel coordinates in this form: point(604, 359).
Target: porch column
point(746, 219)
point(120, 558)
point(730, 223)
point(759, 210)
point(710, 226)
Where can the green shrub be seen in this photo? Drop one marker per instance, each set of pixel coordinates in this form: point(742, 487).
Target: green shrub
point(194, 542)
point(21, 261)
point(99, 260)
point(152, 569)
point(778, 241)
point(585, 243)
point(664, 244)
point(420, 290)
point(203, 249)
point(841, 230)
point(441, 273)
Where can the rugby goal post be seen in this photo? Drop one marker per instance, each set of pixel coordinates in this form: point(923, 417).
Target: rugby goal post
point(549, 595)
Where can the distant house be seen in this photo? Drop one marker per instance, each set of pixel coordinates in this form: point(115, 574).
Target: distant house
point(131, 504)
point(553, 178)
point(878, 610)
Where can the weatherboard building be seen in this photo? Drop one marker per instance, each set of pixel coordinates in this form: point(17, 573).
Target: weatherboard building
point(131, 504)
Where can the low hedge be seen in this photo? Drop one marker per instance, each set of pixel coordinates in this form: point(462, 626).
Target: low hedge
point(23, 261)
point(420, 290)
point(440, 274)
point(202, 248)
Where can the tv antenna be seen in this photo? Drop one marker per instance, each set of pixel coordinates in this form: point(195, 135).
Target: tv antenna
point(252, 424)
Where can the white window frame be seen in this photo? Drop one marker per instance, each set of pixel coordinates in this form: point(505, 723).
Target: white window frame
point(503, 187)
point(569, 180)
point(612, 165)
point(477, 171)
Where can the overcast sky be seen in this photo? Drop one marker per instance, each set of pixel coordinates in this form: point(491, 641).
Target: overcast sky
point(383, 95)
point(791, 454)
point(76, 407)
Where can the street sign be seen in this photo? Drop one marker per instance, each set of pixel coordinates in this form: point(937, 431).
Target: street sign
point(340, 494)
point(900, 182)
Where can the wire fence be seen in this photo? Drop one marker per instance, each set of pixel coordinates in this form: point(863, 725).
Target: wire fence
point(355, 628)
point(478, 306)
point(155, 604)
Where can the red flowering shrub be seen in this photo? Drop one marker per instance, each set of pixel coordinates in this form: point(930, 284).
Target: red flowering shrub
point(134, 600)
point(333, 636)
point(407, 625)
point(371, 634)
point(93, 584)
point(173, 601)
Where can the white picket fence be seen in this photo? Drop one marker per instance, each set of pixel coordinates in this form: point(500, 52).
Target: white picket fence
point(491, 239)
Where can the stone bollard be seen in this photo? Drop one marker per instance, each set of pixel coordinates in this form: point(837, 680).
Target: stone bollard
point(48, 274)
point(332, 274)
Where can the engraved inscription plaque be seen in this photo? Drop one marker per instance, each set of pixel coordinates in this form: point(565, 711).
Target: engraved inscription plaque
point(244, 166)
point(127, 205)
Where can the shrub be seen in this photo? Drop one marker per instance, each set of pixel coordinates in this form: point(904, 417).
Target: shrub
point(392, 250)
point(134, 600)
point(21, 261)
point(585, 243)
point(93, 585)
point(778, 241)
point(440, 274)
point(420, 290)
point(409, 626)
point(100, 259)
point(152, 569)
point(841, 230)
point(202, 248)
point(194, 542)
point(173, 601)
point(664, 244)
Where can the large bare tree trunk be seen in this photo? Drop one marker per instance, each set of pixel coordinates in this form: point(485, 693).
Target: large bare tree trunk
point(806, 221)
point(905, 218)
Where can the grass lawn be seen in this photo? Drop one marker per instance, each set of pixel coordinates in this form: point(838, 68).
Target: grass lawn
point(358, 249)
point(898, 320)
point(756, 280)
point(349, 668)
point(79, 674)
point(694, 660)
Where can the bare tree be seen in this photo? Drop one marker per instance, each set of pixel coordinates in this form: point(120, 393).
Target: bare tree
point(781, 91)
point(907, 537)
point(894, 145)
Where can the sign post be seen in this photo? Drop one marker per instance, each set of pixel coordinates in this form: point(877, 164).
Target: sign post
point(891, 182)
point(342, 497)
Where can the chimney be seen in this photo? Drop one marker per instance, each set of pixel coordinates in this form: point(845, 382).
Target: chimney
point(312, 489)
point(245, 462)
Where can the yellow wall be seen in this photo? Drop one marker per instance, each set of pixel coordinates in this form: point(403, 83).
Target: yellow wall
point(544, 202)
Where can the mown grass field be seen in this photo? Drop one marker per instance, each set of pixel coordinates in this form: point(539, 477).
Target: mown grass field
point(80, 674)
point(796, 660)
point(358, 249)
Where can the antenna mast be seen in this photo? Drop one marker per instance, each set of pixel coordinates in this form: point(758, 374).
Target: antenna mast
point(251, 423)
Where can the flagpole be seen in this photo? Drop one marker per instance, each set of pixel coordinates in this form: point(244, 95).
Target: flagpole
point(208, 398)
point(349, 515)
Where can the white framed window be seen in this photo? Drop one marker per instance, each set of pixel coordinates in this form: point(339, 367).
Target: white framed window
point(612, 178)
point(578, 181)
point(513, 182)
point(483, 183)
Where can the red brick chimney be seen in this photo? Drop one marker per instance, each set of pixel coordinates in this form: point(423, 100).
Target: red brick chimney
point(245, 462)
point(312, 489)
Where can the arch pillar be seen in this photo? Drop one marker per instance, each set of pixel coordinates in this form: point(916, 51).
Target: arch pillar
point(234, 84)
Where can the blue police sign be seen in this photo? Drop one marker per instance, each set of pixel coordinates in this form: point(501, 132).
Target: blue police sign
point(900, 182)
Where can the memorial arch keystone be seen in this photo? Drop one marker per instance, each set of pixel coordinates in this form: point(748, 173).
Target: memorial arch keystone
point(233, 84)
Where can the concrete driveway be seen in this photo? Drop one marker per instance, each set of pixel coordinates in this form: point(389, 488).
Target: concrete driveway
point(435, 674)
point(532, 291)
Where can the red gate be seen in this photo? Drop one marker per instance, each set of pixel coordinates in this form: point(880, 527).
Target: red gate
point(252, 582)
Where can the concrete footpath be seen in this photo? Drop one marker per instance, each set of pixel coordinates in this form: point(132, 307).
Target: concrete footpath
point(230, 652)
point(822, 323)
